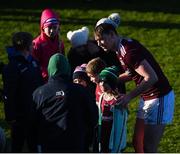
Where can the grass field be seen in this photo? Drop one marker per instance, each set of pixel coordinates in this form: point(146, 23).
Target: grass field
point(154, 23)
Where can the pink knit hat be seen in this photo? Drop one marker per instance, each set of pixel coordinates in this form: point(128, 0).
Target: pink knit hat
point(80, 72)
point(49, 17)
point(50, 22)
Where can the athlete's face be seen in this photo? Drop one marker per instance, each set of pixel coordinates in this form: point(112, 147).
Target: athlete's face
point(105, 41)
point(51, 31)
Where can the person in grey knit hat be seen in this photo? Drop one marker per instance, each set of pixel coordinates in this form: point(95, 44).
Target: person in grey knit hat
point(156, 105)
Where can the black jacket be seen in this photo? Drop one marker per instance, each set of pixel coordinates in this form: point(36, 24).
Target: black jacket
point(20, 78)
point(64, 112)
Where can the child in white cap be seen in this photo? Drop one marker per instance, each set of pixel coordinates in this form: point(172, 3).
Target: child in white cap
point(82, 48)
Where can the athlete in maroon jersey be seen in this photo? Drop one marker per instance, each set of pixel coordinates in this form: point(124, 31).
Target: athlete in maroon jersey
point(156, 106)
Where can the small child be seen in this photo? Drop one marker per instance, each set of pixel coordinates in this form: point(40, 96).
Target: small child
point(48, 42)
point(93, 68)
point(21, 76)
point(112, 118)
point(82, 48)
point(80, 76)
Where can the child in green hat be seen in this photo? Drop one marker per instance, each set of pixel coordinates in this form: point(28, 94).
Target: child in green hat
point(112, 118)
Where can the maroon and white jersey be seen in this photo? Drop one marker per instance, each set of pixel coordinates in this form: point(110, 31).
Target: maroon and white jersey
point(98, 93)
point(131, 53)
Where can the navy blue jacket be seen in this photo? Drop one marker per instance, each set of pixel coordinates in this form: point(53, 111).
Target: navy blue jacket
point(20, 78)
point(64, 111)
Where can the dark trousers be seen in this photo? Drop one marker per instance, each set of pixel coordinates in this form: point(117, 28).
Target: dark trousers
point(21, 132)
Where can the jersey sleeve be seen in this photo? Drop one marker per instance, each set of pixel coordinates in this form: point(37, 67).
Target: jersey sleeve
point(134, 55)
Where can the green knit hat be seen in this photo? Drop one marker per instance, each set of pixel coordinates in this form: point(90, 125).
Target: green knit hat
point(59, 66)
point(110, 76)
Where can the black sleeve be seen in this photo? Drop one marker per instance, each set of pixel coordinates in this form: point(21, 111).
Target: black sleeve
point(72, 59)
point(10, 76)
point(91, 108)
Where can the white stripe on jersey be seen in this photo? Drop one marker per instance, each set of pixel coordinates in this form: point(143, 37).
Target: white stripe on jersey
point(122, 50)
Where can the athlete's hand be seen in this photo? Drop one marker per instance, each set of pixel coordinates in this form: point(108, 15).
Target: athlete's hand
point(123, 101)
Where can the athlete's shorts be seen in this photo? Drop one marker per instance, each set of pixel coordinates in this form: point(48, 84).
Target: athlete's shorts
point(158, 110)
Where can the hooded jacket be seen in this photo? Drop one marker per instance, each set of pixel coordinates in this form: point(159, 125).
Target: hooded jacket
point(43, 46)
point(64, 110)
point(21, 77)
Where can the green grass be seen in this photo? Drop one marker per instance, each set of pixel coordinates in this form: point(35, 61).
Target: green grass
point(158, 29)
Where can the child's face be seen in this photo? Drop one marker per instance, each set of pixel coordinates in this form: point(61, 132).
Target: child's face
point(80, 81)
point(93, 77)
point(51, 31)
point(104, 86)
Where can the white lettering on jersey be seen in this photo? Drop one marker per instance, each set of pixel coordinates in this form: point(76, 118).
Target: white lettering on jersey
point(60, 93)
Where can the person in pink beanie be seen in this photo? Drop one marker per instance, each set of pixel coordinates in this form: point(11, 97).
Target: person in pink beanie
point(48, 42)
point(80, 76)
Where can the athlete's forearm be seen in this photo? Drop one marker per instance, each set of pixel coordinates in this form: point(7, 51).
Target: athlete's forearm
point(124, 77)
point(142, 87)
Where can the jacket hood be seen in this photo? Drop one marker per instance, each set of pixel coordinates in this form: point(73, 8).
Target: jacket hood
point(48, 14)
point(11, 51)
point(59, 66)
